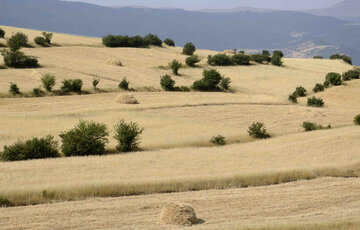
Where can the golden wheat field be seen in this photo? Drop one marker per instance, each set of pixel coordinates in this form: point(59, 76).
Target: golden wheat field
point(295, 180)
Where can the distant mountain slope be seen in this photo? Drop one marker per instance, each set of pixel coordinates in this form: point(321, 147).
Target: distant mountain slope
point(217, 31)
point(347, 9)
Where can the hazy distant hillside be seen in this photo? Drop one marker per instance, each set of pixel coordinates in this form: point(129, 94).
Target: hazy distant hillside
point(300, 34)
point(347, 9)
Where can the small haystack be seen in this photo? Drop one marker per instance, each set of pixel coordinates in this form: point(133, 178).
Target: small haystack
point(126, 99)
point(178, 214)
point(230, 51)
point(114, 61)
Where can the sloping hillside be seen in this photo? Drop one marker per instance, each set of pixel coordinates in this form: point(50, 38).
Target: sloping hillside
point(347, 9)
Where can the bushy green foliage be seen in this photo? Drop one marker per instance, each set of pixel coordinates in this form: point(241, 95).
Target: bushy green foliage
point(240, 59)
point(72, 85)
point(345, 58)
point(169, 42)
point(2, 33)
point(315, 102)
point(310, 126)
point(47, 37)
point(128, 136)
point(167, 83)
point(278, 53)
point(333, 78)
point(219, 60)
point(153, 40)
point(192, 60)
point(5, 203)
point(218, 140)
point(276, 60)
point(351, 74)
point(175, 65)
point(210, 81)
point(95, 82)
point(318, 57)
point(16, 41)
point(258, 130)
point(189, 49)
point(36, 148)
point(326, 84)
point(17, 59)
point(14, 89)
point(225, 83)
point(48, 81)
point(266, 56)
point(86, 138)
point(293, 97)
point(124, 84)
point(300, 91)
point(37, 92)
point(40, 41)
point(357, 120)
point(258, 58)
point(318, 88)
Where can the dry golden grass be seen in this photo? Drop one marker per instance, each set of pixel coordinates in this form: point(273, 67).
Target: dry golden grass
point(325, 203)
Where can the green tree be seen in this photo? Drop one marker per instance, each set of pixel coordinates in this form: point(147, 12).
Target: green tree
point(189, 49)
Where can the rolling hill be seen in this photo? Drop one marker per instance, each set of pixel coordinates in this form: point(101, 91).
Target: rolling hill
point(347, 10)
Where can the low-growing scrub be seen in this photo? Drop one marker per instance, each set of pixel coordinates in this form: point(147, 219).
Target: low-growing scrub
point(357, 120)
point(37, 92)
point(124, 84)
point(350, 75)
point(48, 81)
point(95, 82)
point(293, 97)
point(14, 89)
point(315, 102)
point(276, 60)
point(189, 49)
point(300, 91)
point(218, 140)
point(345, 58)
point(318, 57)
point(333, 78)
point(175, 65)
point(278, 53)
point(240, 59)
point(266, 56)
point(219, 60)
point(47, 37)
point(169, 42)
point(128, 136)
point(72, 85)
point(318, 88)
point(36, 148)
point(225, 83)
point(153, 40)
point(258, 130)
point(210, 82)
point(17, 41)
point(41, 41)
point(310, 126)
point(17, 59)
point(135, 41)
point(192, 60)
point(167, 83)
point(258, 58)
point(86, 138)
point(2, 33)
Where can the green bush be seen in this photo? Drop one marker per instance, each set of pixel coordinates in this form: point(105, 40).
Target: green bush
point(300, 91)
point(326, 84)
point(2, 33)
point(210, 81)
point(318, 88)
point(225, 83)
point(95, 82)
point(278, 53)
point(218, 140)
point(72, 85)
point(5, 203)
point(333, 78)
point(345, 58)
point(17, 59)
point(36, 148)
point(184, 89)
point(37, 92)
point(240, 59)
point(293, 97)
point(40, 41)
point(169, 42)
point(189, 49)
point(318, 57)
point(192, 60)
point(167, 83)
point(258, 58)
point(16, 41)
point(309, 126)
point(48, 81)
point(86, 138)
point(47, 37)
point(175, 65)
point(14, 89)
point(357, 120)
point(219, 60)
point(266, 56)
point(124, 84)
point(153, 40)
point(315, 102)
point(258, 130)
point(276, 60)
point(128, 136)
point(351, 74)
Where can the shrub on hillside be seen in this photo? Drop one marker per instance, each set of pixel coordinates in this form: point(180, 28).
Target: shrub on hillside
point(278, 53)
point(258, 58)
point(258, 130)
point(345, 58)
point(40, 41)
point(48, 81)
point(318, 57)
point(351, 74)
point(225, 83)
point(14, 89)
point(218, 140)
point(35, 148)
point(169, 42)
point(17, 59)
point(333, 78)
point(124, 84)
point(135, 41)
point(189, 49)
point(219, 60)
point(175, 65)
point(2, 33)
point(95, 82)
point(210, 81)
point(72, 85)
point(240, 59)
point(192, 60)
point(326, 84)
point(167, 83)
point(309, 126)
point(37, 92)
point(153, 40)
point(266, 56)
point(86, 138)
point(293, 97)
point(318, 88)
point(128, 136)
point(315, 102)
point(357, 120)
point(300, 91)
point(276, 60)
point(47, 37)
point(16, 41)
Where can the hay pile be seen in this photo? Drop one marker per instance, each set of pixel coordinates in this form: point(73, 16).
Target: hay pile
point(178, 214)
point(126, 99)
point(114, 61)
